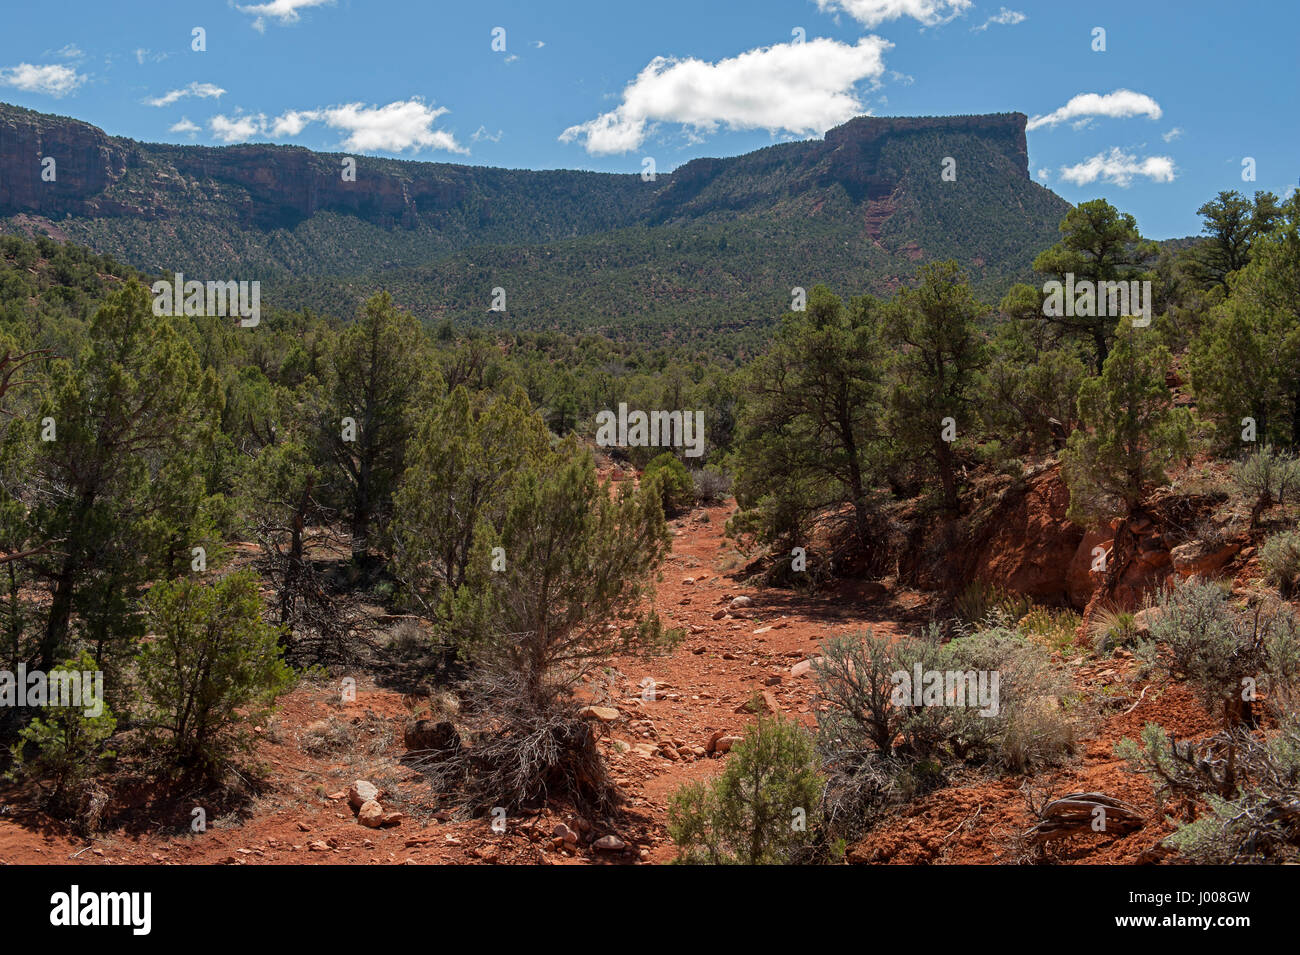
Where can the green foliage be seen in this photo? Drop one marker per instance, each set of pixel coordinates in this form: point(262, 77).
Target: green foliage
point(1130, 432)
point(672, 481)
point(1110, 628)
point(1225, 651)
point(467, 452)
point(1280, 560)
point(809, 427)
point(211, 669)
point(379, 373)
point(1233, 224)
point(937, 352)
point(573, 591)
point(64, 745)
point(1266, 478)
point(1243, 783)
point(578, 564)
point(882, 746)
point(1056, 628)
point(133, 414)
point(1098, 244)
point(855, 675)
point(1244, 363)
point(1030, 729)
point(980, 600)
point(762, 810)
point(1027, 395)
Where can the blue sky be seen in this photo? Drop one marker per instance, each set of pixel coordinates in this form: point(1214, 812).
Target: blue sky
point(1157, 122)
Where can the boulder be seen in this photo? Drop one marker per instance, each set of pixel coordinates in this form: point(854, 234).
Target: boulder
point(362, 792)
point(724, 743)
point(606, 714)
point(804, 668)
point(1202, 559)
point(371, 814)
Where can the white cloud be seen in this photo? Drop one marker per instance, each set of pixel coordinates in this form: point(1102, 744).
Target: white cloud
point(538, 44)
point(872, 13)
point(53, 79)
point(236, 129)
point(292, 123)
point(482, 133)
point(285, 11)
point(1119, 168)
point(69, 52)
point(184, 126)
point(1117, 105)
point(803, 88)
point(1003, 17)
point(397, 127)
point(1043, 174)
point(201, 90)
point(1173, 134)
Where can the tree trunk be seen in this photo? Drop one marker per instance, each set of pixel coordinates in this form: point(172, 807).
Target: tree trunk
point(1099, 339)
point(947, 477)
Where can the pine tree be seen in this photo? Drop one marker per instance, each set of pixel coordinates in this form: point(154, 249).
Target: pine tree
point(810, 434)
point(380, 369)
point(1098, 244)
point(466, 453)
point(938, 352)
point(118, 487)
point(1130, 431)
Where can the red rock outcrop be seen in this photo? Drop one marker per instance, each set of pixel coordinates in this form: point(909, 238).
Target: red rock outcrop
point(1032, 546)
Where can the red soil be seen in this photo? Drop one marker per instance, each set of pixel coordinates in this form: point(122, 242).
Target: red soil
point(302, 815)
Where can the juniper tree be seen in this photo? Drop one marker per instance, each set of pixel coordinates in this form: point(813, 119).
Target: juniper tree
point(1130, 431)
point(117, 486)
point(762, 810)
point(1247, 361)
point(1098, 244)
point(466, 452)
point(1232, 223)
point(564, 584)
point(577, 567)
point(810, 429)
point(938, 352)
point(211, 669)
point(379, 372)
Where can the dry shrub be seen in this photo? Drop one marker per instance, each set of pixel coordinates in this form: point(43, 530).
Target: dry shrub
point(520, 750)
point(329, 736)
